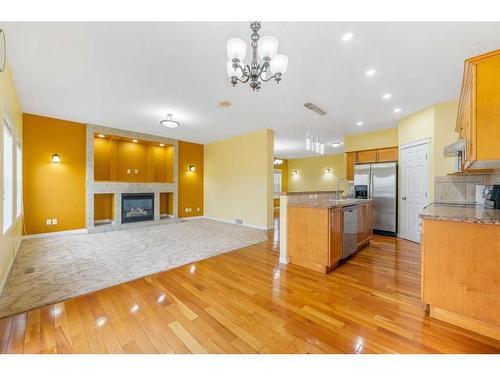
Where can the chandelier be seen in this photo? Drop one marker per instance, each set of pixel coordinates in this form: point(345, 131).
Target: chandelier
point(315, 142)
point(271, 66)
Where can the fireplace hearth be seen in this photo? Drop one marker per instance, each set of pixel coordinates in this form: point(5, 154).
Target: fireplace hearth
point(137, 207)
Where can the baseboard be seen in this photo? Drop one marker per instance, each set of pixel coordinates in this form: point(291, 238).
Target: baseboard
point(193, 217)
point(6, 276)
point(55, 234)
point(232, 222)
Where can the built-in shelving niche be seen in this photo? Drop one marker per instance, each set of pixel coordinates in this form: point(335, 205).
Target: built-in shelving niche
point(122, 160)
point(104, 209)
point(166, 205)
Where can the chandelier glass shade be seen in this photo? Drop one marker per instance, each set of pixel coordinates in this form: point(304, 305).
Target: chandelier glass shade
point(169, 122)
point(315, 142)
point(265, 65)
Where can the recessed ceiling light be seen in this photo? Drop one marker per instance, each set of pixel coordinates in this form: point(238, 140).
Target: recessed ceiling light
point(225, 103)
point(347, 37)
point(135, 140)
point(397, 110)
point(101, 136)
point(162, 145)
point(359, 123)
point(335, 143)
point(370, 72)
point(386, 96)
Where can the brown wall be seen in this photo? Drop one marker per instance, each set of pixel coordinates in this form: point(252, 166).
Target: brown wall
point(190, 183)
point(53, 190)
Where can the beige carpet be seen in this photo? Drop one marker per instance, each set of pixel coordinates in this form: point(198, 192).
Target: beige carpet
point(52, 269)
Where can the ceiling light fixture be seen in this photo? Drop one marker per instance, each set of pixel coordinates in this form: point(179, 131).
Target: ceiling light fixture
point(315, 142)
point(359, 123)
point(169, 122)
point(386, 96)
point(272, 65)
point(101, 136)
point(347, 37)
point(370, 72)
point(162, 145)
point(56, 158)
point(397, 110)
point(335, 143)
point(277, 162)
point(135, 140)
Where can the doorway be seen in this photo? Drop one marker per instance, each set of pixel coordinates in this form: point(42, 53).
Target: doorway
point(414, 187)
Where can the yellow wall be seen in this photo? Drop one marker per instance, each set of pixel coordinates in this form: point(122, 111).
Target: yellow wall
point(190, 183)
point(166, 203)
point(370, 140)
point(444, 134)
point(9, 242)
point(53, 190)
point(312, 174)
point(438, 124)
point(239, 179)
point(284, 179)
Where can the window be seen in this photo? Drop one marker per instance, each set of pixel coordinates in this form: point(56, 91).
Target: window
point(277, 183)
point(8, 176)
point(19, 179)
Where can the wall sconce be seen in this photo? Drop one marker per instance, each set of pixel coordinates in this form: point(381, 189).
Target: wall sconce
point(192, 168)
point(56, 158)
point(295, 172)
point(328, 171)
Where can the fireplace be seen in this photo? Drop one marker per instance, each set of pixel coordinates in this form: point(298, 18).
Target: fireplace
point(137, 207)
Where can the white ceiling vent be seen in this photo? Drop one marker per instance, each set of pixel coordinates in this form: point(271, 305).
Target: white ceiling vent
point(315, 109)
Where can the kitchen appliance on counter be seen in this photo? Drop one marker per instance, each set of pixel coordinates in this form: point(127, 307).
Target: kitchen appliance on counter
point(379, 182)
point(350, 241)
point(491, 196)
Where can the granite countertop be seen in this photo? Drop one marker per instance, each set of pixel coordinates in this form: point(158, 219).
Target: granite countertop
point(468, 213)
point(310, 192)
point(319, 202)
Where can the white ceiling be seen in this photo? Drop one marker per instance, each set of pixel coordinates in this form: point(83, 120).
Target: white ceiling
point(130, 75)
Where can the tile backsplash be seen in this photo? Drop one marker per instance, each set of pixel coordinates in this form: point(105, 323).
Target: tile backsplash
point(462, 189)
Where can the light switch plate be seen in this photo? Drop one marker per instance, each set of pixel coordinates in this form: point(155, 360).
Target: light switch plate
point(54, 221)
point(48, 222)
point(128, 171)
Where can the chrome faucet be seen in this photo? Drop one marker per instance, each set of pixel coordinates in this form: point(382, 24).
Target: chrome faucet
point(337, 193)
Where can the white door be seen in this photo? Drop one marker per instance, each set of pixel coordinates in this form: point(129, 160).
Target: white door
point(413, 197)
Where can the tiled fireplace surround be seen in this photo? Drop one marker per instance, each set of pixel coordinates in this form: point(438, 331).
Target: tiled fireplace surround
point(118, 188)
point(461, 189)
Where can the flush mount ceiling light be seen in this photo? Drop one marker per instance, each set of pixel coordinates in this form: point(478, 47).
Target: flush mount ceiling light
point(347, 37)
point(162, 145)
point(272, 66)
point(135, 140)
point(335, 143)
point(101, 136)
point(359, 123)
point(169, 122)
point(370, 72)
point(225, 104)
point(386, 96)
point(397, 110)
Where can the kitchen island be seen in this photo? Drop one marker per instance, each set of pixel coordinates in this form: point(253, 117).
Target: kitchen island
point(461, 266)
point(317, 229)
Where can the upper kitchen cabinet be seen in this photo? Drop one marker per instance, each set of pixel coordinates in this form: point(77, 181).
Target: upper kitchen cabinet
point(380, 155)
point(478, 120)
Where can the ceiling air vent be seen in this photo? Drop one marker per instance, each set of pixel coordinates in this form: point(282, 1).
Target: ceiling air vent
point(315, 109)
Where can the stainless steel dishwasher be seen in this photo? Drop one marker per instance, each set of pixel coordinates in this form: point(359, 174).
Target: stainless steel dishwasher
point(350, 231)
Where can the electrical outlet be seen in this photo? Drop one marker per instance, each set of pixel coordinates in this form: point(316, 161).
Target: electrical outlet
point(48, 222)
point(54, 221)
point(238, 221)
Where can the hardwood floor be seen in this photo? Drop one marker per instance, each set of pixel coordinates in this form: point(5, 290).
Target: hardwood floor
point(244, 301)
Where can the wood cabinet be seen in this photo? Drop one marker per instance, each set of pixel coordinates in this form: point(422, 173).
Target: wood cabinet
point(364, 224)
point(350, 158)
point(368, 156)
point(461, 274)
point(315, 235)
point(478, 120)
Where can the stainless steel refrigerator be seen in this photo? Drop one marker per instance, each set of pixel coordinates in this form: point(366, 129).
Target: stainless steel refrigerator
point(379, 181)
